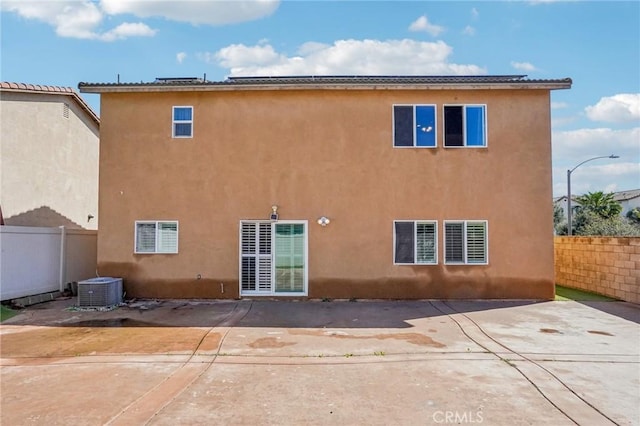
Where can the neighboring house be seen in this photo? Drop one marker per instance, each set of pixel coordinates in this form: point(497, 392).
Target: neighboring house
point(49, 146)
point(628, 200)
point(328, 187)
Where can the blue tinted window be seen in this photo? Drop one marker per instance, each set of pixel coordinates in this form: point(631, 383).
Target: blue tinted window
point(182, 114)
point(414, 125)
point(475, 126)
point(425, 126)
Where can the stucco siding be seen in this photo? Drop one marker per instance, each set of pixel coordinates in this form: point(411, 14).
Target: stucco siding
point(325, 153)
point(49, 165)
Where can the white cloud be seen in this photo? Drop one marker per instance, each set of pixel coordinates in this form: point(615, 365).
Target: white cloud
point(585, 143)
point(572, 147)
point(311, 47)
point(474, 13)
point(194, 11)
point(75, 19)
point(423, 24)
point(181, 56)
point(362, 57)
point(608, 177)
point(559, 105)
point(127, 30)
point(523, 66)
point(82, 19)
point(621, 108)
point(469, 30)
point(241, 56)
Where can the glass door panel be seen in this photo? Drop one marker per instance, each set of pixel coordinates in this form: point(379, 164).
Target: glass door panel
point(289, 250)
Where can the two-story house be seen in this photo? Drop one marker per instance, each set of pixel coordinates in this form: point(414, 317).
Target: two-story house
point(328, 187)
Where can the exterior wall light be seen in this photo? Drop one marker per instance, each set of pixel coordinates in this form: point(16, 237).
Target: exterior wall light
point(274, 212)
point(324, 221)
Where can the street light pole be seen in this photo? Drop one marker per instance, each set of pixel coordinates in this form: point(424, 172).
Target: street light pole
point(569, 212)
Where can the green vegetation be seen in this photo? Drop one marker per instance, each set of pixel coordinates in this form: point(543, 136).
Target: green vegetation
point(6, 313)
point(565, 293)
point(600, 204)
point(598, 214)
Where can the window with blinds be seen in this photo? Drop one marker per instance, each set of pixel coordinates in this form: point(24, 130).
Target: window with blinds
point(465, 242)
point(156, 237)
point(182, 126)
point(415, 242)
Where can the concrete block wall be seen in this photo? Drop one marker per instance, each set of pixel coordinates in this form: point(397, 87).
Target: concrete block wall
point(604, 265)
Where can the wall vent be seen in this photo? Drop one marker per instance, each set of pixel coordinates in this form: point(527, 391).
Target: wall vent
point(100, 292)
point(65, 110)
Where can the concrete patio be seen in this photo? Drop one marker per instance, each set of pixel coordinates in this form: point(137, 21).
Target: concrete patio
point(286, 362)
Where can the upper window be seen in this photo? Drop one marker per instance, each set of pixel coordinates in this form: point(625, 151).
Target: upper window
point(182, 122)
point(415, 242)
point(414, 126)
point(465, 126)
point(156, 237)
point(465, 242)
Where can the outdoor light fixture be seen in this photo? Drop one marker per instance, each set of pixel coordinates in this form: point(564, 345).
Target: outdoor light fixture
point(324, 221)
point(569, 212)
point(274, 212)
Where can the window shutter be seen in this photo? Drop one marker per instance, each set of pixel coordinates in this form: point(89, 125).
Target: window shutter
point(426, 243)
point(248, 238)
point(248, 278)
point(145, 238)
point(454, 244)
point(476, 242)
point(167, 237)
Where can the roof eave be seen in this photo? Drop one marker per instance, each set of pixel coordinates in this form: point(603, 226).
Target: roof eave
point(202, 87)
point(72, 94)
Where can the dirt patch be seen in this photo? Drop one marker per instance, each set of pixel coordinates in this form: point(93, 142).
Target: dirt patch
point(211, 342)
point(413, 338)
point(602, 333)
point(77, 341)
point(269, 343)
point(550, 331)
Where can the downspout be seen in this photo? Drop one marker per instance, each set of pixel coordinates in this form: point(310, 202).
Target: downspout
point(63, 257)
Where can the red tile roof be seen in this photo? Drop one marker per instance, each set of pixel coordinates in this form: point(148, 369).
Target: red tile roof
point(53, 90)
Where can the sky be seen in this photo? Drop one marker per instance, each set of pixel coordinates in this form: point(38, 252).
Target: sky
point(596, 44)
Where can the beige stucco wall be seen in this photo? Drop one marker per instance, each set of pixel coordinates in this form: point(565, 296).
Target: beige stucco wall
point(330, 153)
point(48, 163)
point(605, 265)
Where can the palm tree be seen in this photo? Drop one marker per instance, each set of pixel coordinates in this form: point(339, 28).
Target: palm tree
point(600, 204)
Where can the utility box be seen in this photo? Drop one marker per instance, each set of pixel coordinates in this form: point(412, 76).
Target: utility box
point(100, 292)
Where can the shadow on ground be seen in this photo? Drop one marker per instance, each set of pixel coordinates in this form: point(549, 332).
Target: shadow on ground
point(261, 313)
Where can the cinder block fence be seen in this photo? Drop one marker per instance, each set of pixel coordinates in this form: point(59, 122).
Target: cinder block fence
point(604, 265)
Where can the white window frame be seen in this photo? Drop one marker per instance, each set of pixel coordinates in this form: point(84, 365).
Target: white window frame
point(465, 242)
point(157, 229)
point(415, 131)
point(174, 122)
point(464, 127)
point(415, 241)
point(272, 292)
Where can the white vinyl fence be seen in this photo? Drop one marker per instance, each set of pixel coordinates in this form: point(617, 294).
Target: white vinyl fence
point(36, 260)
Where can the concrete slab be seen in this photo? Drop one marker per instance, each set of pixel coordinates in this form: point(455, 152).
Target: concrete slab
point(286, 362)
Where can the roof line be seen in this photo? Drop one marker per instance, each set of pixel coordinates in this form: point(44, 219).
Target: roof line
point(51, 90)
point(406, 82)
